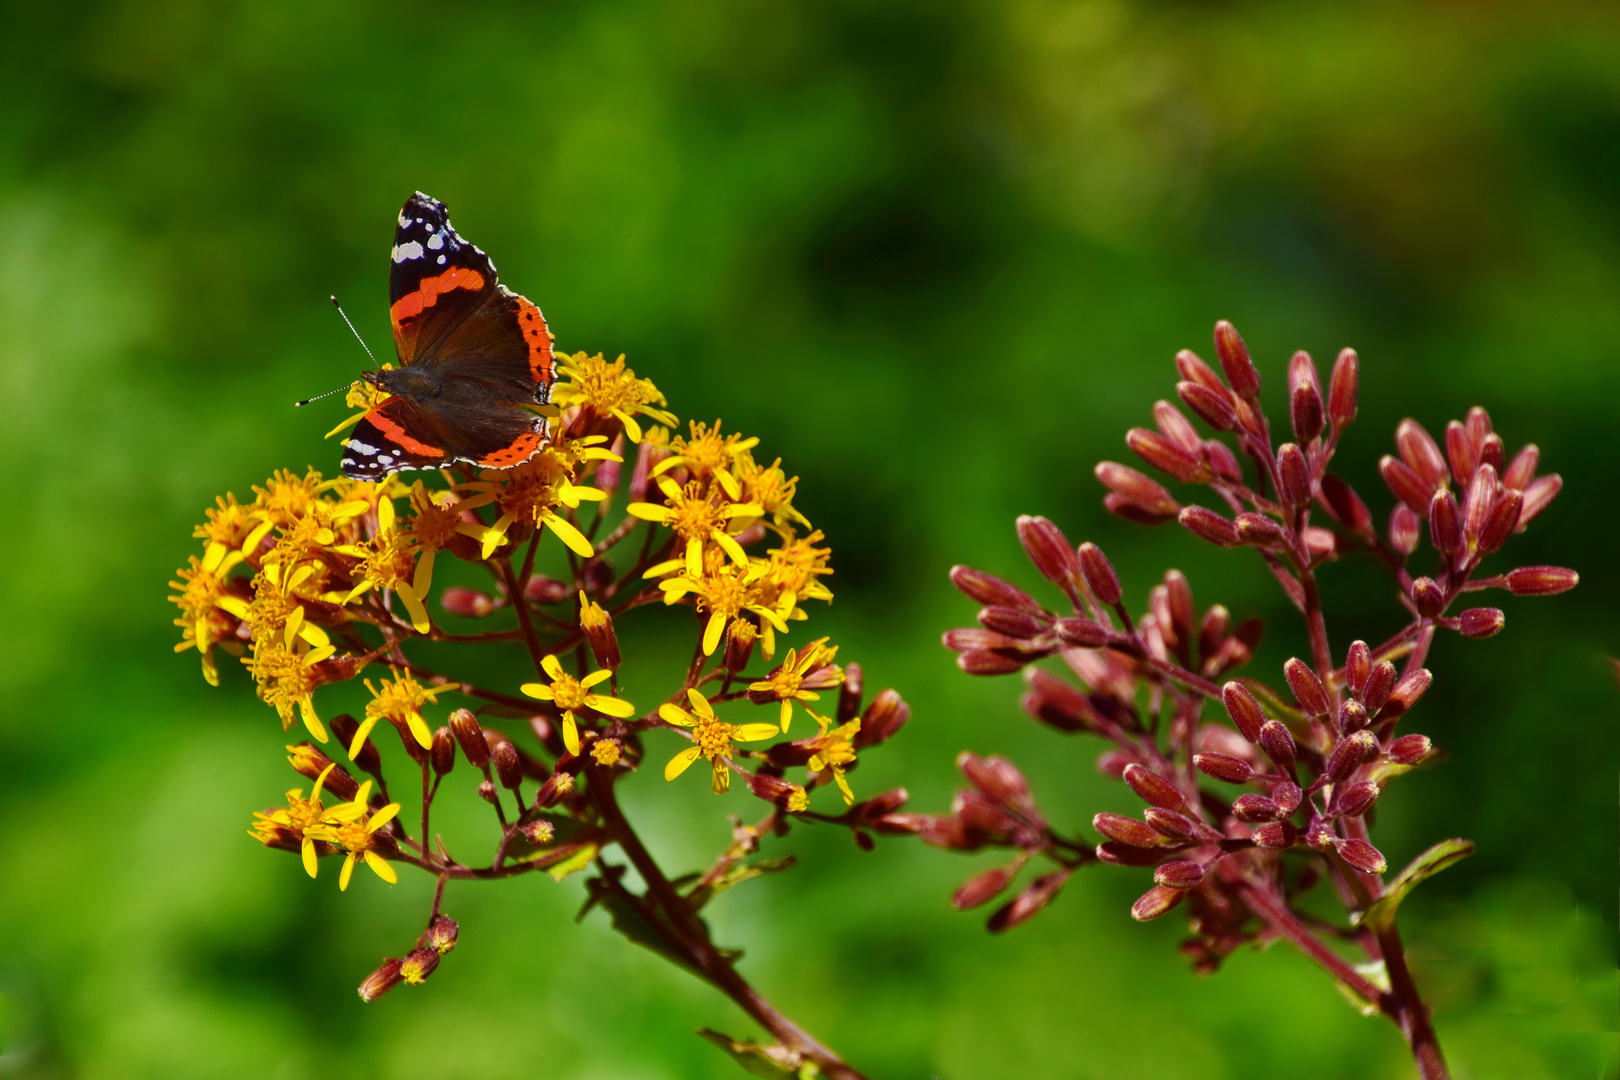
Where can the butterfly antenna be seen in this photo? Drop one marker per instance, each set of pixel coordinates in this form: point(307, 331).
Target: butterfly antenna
point(318, 397)
point(355, 332)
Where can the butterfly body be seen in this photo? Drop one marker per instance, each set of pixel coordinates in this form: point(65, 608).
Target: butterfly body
point(475, 359)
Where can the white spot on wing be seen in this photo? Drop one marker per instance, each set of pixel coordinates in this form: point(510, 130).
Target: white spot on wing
point(385, 459)
point(411, 250)
point(359, 447)
point(436, 241)
point(441, 260)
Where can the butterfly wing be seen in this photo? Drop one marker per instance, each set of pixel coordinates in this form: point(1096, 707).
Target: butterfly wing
point(450, 313)
point(402, 434)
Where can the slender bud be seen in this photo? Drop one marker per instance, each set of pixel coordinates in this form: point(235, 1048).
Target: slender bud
point(1522, 469)
point(1213, 406)
point(1049, 550)
point(1537, 494)
point(1541, 580)
point(1418, 449)
point(1275, 835)
point(443, 752)
point(1405, 484)
point(1155, 902)
point(1254, 808)
point(470, 737)
point(1491, 452)
point(543, 590)
point(883, 718)
point(1208, 525)
point(1153, 788)
point(508, 768)
point(1223, 767)
point(486, 791)
point(981, 888)
point(1351, 754)
point(1483, 492)
point(1164, 453)
point(468, 603)
point(1053, 701)
point(1294, 473)
point(1195, 370)
point(1027, 904)
point(1428, 596)
point(1126, 830)
point(1011, 621)
point(740, 636)
point(990, 662)
point(1346, 506)
point(1404, 524)
point(1278, 744)
point(309, 762)
point(1507, 516)
point(1319, 834)
point(1352, 717)
point(1287, 795)
point(991, 590)
point(1099, 574)
point(1306, 687)
point(1481, 622)
point(381, 981)
point(999, 780)
point(1223, 461)
point(1234, 357)
point(1259, 529)
point(1355, 799)
point(1082, 632)
point(850, 693)
point(558, 786)
point(1245, 712)
point(1410, 749)
point(1169, 823)
point(1342, 390)
point(1177, 428)
point(1304, 398)
point(1113, 763)
point(1179, 600)
point(1178, 874)
point(1137, 490)
point(598, 627)
point(419, 965)
point(781, 793)
point(1357, 666)
point(1461, 451)
point(1362, 856)
point(1380, 681)
point(1445, 523)
point(1413, 685)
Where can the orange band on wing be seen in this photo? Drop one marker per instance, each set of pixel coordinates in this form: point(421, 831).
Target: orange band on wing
point(516, 454)
point(397, 434)
point(535, 333)
point(428, 292)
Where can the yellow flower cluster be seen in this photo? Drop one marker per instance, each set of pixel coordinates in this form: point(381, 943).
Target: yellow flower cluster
point(714, 497)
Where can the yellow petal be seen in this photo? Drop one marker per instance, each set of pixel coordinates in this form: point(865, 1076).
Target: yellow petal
point(681, 762)
point(314, 635)
point(380, 865)
point(722, 777)
point(596, 677)
point(669, 566)
point(787, 714)
point(728, 482)
point(311, 721)
point(694, 559)
point(649, 512)
point(413, 604)
point(552, 666)
point(711, 633)
point(632, 430)
point(347, 873)
point(360, 734)
point(308, 850)
point(538, 690)
point(569, 535)
point(610, 706)
point(382, 817)
point(731, 548)
point(699, 702)
point(294, 621)
point(843, 785)
point(320, 782)
point(674, 714)
point(423, 581)
point(496, 535)
point(419, 728)
point(754, 732)
point(570, 733)
point(588, 494)
point(350, 422)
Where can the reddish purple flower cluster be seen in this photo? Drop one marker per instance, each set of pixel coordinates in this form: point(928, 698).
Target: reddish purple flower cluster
point(1314, 758)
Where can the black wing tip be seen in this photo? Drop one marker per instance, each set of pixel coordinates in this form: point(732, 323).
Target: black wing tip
point(423, 201)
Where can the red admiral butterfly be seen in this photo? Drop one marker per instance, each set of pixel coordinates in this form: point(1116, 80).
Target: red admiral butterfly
point(474, 358)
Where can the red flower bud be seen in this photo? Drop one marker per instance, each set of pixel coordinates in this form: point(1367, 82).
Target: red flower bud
point(468, 603)
point(1405, 484)
point(1275, 835)
point(1445, 523)
point(1355, 799)
point(1278, 743)
point(1351, 754)
point(1208, 525)
point(1099, 574)
point(1135, 489)
point(1027, 904)
point(1522, 469)
point(1410, 749)
point(1287, 795)
point(443, 752)
point(1304, 398)
point(1178, 874)
point(1403, 529)
point(1011, 622)
point(1223, 767)
point(1380, 681)
point(1417, 448)
point(1293, 472)
point(470, 737)
point(1362, 856)
point(1053, 701)
point(543, 590)
point(1256, 808)
point(1428, 596)
point(1506, 517)
point(1081, 632)
point(381, 981)
point(1352, 717)
point(982, 888)
point(1481, 622)
point(1461, 450)
point(1541, 580)
point(1306, 687)
point(1177, 428)
point(1163, 453)
point(1223, 461)
point(1153, 788)
point(1126, 830)
point(1537, 494)
point(1155, 902)
point(1259, 529)
point(1346, 506)
point(1169, 823)
point(1357, 666)
point(504, 756)
point(989, 662)
point(1049, 550)
point(1213, 406)
point(1412, 686)
point(1480, 500)
point(1342, 389)
point(1234, 357)
point(1245, 712)
point(991, 590)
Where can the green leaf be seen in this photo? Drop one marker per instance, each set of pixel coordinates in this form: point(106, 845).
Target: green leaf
point(573, 863)
point(734, 875)
point(1381, 916)
point(1374, 972)
point(775, 1062)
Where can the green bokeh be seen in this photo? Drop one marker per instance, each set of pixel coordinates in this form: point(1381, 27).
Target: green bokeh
point(938, 256)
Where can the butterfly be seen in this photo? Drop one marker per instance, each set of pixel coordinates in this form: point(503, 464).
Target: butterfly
point(475, 358)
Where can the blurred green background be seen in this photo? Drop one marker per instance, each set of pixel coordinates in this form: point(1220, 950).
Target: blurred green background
point(938, 255)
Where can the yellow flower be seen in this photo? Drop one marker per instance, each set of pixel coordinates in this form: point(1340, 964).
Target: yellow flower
point(787, 683)
point(363, 396)
point(388, 561)
point(570, 694)
point(609, 390)
point(227, 526)
point(532, 491)
point(301, 814)
point(711, 738)
point(607, 751)
point(834, 749)
point(286, 497)
point(696, 519)
point(794, 568)
point(708, 454)
point(287, 679)
point(399, 702)
point(724, 594)
point(201, 622)
point(770, 487)
point(342, 825)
